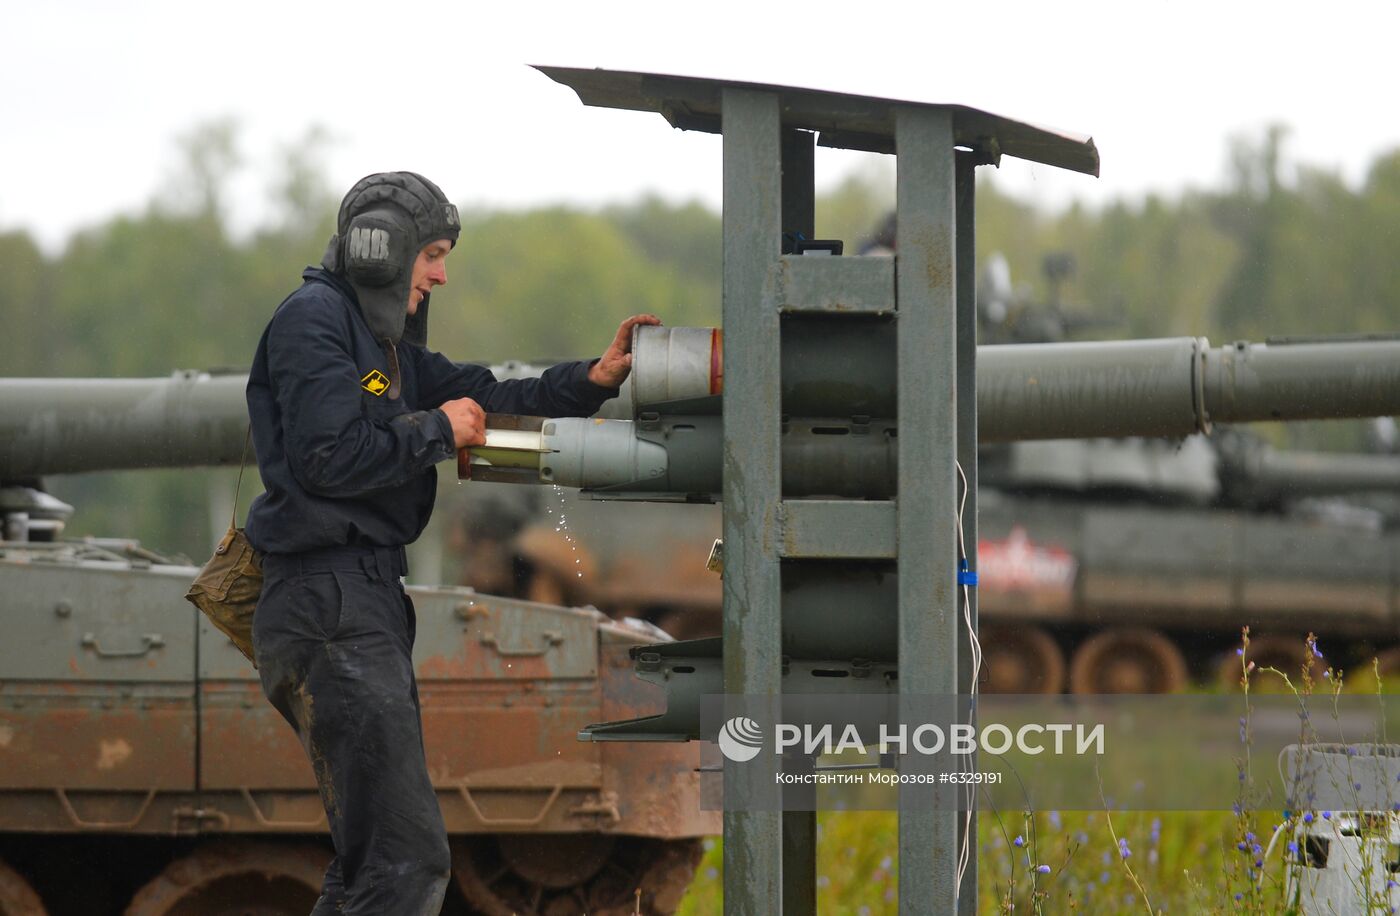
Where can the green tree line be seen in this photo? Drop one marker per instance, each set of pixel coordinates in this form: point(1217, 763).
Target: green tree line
point(1279, 249)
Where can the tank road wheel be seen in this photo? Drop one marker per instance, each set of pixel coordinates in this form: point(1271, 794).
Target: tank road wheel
point(236, 879)
point(1286, 653)
point(1021, 660)
point(17, 898)
point(1127, 661)
point(573, 874)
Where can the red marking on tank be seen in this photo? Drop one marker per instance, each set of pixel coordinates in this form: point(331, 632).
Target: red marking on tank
point(1019, 563)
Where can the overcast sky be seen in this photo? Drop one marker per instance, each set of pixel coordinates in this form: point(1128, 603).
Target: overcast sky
point(95, 92)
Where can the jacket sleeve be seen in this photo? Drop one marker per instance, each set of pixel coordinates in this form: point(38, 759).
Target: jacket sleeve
point(332, 447)
point(562, 391)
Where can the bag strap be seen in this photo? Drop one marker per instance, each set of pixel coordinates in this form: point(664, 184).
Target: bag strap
point(242, 463)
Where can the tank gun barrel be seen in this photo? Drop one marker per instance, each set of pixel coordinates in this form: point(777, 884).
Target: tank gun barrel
point(1167, 387)
point(1297, 379)
point(59, 426)
point(1292, 474)
point(1177, 386)
point(1170, 387)
point(1253, 473)
point(1323, 473)
point(187, 419)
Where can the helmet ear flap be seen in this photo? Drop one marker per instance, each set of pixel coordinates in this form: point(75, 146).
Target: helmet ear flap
point(375, 249)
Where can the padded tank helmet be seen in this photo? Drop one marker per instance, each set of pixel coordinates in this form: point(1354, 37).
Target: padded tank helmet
point(384, 221)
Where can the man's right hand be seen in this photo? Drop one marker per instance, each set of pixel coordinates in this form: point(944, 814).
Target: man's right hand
point(468, 422)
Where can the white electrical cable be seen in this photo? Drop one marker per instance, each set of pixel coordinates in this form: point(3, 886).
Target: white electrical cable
point(975, 645)
point(1272, 840)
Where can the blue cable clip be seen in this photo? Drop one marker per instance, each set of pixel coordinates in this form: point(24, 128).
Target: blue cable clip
point(966, 576)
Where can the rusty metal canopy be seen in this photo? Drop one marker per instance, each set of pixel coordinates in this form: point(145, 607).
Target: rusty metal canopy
point(842, 120)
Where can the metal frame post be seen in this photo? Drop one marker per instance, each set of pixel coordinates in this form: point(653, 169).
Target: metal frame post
point(799, 827)
point(769, 133)
point(799, 182)
point(925, 294)
point(966, 257)
point(752, 229)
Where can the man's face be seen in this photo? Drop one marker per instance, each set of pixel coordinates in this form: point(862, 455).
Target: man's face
point(429, 270)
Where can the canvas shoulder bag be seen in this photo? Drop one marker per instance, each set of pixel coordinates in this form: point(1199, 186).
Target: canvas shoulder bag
point(227, 588)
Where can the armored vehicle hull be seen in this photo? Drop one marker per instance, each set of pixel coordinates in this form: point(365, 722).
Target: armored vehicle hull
point(137, 751)
point(1099, 596)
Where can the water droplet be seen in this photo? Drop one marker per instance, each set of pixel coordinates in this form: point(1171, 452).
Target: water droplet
point(563, 527)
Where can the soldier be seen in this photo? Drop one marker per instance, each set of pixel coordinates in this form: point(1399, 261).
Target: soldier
point(350, 411)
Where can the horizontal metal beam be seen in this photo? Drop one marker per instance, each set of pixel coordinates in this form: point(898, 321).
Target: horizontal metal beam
point(840, 286)
point(838, 529)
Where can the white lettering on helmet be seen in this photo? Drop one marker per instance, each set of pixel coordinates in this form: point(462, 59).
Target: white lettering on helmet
point(369, 244)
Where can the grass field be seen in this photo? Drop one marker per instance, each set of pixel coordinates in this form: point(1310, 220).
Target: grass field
point(1180, 860)
point(1082, 861)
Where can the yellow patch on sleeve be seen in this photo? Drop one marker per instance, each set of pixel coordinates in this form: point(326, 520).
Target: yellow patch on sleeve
point(375, 382)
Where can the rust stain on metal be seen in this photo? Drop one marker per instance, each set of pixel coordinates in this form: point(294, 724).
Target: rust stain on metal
point(60, 741)
point(442, 667)
point(113, 753)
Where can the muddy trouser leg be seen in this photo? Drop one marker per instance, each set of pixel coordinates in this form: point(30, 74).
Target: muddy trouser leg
point(335, 655)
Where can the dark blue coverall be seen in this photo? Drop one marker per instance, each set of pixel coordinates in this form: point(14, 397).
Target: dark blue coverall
point(349, 481)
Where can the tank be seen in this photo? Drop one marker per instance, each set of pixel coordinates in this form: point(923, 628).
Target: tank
point(1130, 565)
point(142, 772)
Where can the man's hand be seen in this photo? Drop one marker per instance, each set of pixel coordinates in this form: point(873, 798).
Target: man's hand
point(616, 362)
point(468, 422)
